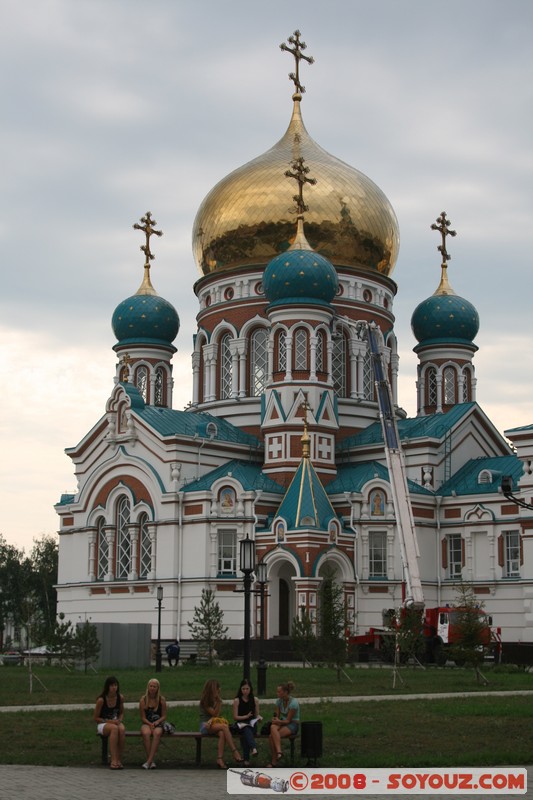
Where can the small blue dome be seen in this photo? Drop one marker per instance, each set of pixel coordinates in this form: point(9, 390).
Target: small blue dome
point(300, 275)
point(445, 316)
point(145, 317)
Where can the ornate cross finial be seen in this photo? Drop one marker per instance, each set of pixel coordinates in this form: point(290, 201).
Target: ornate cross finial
point(148, 228)
point(300, 174)
point(296, 50)
point(444, 232)
point(306, 442)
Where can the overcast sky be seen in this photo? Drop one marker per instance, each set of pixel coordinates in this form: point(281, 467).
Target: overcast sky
point(113, 107)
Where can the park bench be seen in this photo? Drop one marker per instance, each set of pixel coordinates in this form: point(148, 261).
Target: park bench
point(196, 735)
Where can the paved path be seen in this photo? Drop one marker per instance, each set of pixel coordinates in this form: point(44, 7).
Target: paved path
point(94, 783)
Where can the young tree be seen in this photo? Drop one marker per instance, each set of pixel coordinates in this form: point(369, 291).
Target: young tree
point(406, 640)
point(43, 561)
point(85, 644)
point(332, 618)
point(61, 638)
point(471, 631)
point(207, 626)
point(14, 584)
point(303, 637)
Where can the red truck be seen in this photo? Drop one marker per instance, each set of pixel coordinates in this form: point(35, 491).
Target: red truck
point(438, 632)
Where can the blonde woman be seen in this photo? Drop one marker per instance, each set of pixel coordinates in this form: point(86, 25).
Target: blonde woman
point(212, 723)
point(285, 722)
point(153, 708)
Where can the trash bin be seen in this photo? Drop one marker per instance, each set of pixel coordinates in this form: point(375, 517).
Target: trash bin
point(261, 677)
point(311, 740)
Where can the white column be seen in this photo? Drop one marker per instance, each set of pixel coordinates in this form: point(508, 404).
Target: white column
point(134, 552)
point(195, 377)
point(110, 539)
point(92, 554)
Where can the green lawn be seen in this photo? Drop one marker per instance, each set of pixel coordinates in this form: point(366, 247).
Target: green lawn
point(480, 731)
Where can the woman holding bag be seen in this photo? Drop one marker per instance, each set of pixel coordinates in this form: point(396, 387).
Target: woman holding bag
point(213, 724)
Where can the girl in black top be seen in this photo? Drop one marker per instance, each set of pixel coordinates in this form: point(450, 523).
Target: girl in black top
point(246, 708)
point(108, 714)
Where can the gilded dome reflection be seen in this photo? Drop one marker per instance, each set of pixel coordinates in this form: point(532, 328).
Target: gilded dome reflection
point(247, 218)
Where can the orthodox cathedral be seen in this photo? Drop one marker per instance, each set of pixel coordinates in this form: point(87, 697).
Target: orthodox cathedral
point(282, 442)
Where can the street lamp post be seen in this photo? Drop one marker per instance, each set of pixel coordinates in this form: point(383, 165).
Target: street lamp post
point(247, 567)
point(262, 666)
point(158, 650)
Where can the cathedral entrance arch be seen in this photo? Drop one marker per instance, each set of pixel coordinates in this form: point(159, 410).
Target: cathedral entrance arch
point(282, 600)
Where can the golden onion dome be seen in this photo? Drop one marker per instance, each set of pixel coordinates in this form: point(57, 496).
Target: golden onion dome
point(247, 217)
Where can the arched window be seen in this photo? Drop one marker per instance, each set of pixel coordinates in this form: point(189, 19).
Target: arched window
point(141, 382)
point(431, 381)
point(300, 349)
point(282, 351)
point(102, 550)
point(145, 547)
point(123, 565)
point(368, 378)
point(319, 355)
point(467, 386)
point(225, 367)
point(258, 362)
point(449, 386)
point(159, 388)
point(338, 365)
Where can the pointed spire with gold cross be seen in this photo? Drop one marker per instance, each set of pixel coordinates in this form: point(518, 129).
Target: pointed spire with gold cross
point(149, 230)
point(306, 439)
point(442, 224)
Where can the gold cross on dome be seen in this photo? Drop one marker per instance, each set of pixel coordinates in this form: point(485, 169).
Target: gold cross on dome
point(296, 50)
point(300, 174)
point(442, 225)
point(148, 229)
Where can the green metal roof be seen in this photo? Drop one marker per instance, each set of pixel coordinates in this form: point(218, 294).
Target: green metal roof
point(352, 478)
point(250, 476)
point(306, 504)
point(170, 422)
point(431, 426)
point(521, 428)
point(466, 479)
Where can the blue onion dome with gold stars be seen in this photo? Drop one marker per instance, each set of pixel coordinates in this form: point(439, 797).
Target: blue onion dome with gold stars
point(300, 275)
point(444, 316)
point(245, 220)
point(145, 316)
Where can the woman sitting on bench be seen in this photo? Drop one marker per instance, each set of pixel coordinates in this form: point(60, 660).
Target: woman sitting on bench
point(108, 714)
point(153, 708)
point(285, 722)
point(212, 723)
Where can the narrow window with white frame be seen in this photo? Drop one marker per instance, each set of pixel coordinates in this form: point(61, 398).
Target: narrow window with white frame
point(377, 554)
point(227, 552)
point(511, 554)
point(102, 550)
point(455, 555)
point(145, 547)
point(123, 563)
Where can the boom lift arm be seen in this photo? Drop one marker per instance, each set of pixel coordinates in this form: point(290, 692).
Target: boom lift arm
point(414, 597)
